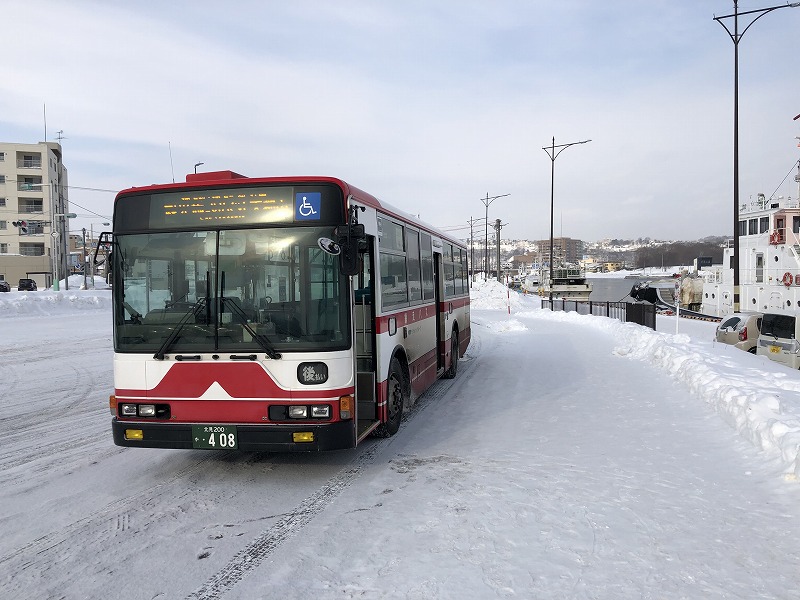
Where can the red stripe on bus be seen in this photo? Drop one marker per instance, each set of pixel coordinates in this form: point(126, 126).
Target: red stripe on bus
point(406, 317)
point(456, 302)
point(424, 372)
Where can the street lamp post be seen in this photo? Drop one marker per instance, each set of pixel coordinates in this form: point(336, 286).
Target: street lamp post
point(551, 152)
point(736, 37)
point(197, 165)
point(486, 202)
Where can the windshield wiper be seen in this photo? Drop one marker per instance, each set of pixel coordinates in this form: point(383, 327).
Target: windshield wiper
point(192, 312)
point(242, 317)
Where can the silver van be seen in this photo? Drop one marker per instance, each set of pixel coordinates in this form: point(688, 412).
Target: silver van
point(778, 340)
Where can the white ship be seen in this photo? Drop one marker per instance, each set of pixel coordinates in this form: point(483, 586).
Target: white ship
point(569, 283)
point(769, 259)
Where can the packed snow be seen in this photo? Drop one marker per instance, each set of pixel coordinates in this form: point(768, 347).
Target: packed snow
point(572, 457)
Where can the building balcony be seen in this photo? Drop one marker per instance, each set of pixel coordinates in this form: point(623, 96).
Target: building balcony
point(29, 164)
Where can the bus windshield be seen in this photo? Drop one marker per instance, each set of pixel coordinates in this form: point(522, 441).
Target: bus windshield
point(247, 290)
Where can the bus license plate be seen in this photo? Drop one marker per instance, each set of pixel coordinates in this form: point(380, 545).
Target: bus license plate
point(215, 437)
point(775, 349)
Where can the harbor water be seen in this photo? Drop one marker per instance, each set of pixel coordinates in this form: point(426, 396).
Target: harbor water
point(612, 289)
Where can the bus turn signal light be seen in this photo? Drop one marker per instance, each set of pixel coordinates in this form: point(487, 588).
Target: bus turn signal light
point(303, 436)
point(134, 434)
point(112, 404)
point(346, 407)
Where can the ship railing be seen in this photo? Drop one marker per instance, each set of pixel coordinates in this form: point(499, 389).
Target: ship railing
point(568, 272)
point(762, 204)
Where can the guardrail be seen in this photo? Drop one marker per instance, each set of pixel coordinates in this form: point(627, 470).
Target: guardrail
point(627, 312)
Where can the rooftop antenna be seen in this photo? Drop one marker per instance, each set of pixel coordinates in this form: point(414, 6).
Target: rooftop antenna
point(44, 109)
point(171, 166)
point(60, 135)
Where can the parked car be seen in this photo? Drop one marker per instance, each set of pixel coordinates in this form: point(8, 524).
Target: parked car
point(741, 330)
point(5, 286)
point(779, 339)
point(26, 285)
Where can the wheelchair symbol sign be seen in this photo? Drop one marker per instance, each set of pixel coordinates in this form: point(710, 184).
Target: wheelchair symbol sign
point(307, 206)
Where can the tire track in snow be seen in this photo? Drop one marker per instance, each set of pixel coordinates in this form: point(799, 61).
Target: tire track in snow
point(268, 541)
point(262, 546)
point(38, 552)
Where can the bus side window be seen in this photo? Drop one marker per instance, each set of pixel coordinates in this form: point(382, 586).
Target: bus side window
point(364, 292)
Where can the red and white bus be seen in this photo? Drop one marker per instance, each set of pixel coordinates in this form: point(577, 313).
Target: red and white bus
point(276, 314)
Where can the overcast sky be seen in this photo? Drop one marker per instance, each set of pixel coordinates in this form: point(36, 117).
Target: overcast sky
point(429, 105)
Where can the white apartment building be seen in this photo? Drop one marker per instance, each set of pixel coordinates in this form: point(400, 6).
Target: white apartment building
point(33, 205)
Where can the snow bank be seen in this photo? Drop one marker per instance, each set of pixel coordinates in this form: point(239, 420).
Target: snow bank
point(49, 302)
point(760, 398)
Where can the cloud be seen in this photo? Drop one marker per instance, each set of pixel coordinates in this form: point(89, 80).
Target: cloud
point(427, 105)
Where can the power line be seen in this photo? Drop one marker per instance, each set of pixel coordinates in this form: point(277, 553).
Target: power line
point(88, 210)
point(76, 187)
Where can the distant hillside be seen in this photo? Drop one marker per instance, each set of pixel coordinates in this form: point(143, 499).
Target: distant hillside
point(667, 253)
point(634, 253)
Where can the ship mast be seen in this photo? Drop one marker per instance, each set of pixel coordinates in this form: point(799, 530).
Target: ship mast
point(797, 177)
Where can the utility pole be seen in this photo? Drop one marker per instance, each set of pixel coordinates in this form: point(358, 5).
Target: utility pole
point(486, 202)
point(64, 232)
point(497, 227)
point(471, 252)
point(85, 255)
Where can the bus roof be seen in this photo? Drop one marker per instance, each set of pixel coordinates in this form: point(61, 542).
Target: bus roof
point(231, 178)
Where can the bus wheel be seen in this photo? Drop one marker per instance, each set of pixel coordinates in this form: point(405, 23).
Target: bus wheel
point(395, 399)
point(451, 372)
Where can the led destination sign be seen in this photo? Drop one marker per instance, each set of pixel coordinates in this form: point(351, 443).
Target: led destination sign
point(215, 207)
point(230, 207)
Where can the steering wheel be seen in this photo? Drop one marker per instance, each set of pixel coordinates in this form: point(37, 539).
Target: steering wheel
point(268, 299)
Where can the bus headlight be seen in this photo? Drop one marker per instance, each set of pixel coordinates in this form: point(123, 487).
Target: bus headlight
point(128, 410)
point(147, 411)
point(298, 412)
point(320, 411)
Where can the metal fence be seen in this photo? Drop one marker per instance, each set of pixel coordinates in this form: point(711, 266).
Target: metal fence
point(627, 312)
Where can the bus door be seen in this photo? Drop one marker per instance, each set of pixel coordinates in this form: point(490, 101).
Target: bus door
point(366, 360)
point(438, 289)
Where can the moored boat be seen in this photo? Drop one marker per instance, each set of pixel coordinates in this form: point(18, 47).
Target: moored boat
point(769, 259)
point(569, 283)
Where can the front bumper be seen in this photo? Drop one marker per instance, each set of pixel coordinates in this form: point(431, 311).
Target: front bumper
point(251, 438)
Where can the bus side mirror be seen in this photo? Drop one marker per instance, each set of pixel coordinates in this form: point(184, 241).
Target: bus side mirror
point(355, 230)
point(350, 239)
point(350, 261)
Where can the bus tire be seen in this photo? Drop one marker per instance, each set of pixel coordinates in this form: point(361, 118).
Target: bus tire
point(395, 400)
point(452, 371)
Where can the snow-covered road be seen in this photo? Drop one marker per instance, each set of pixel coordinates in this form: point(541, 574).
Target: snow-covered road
point(564, 461)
